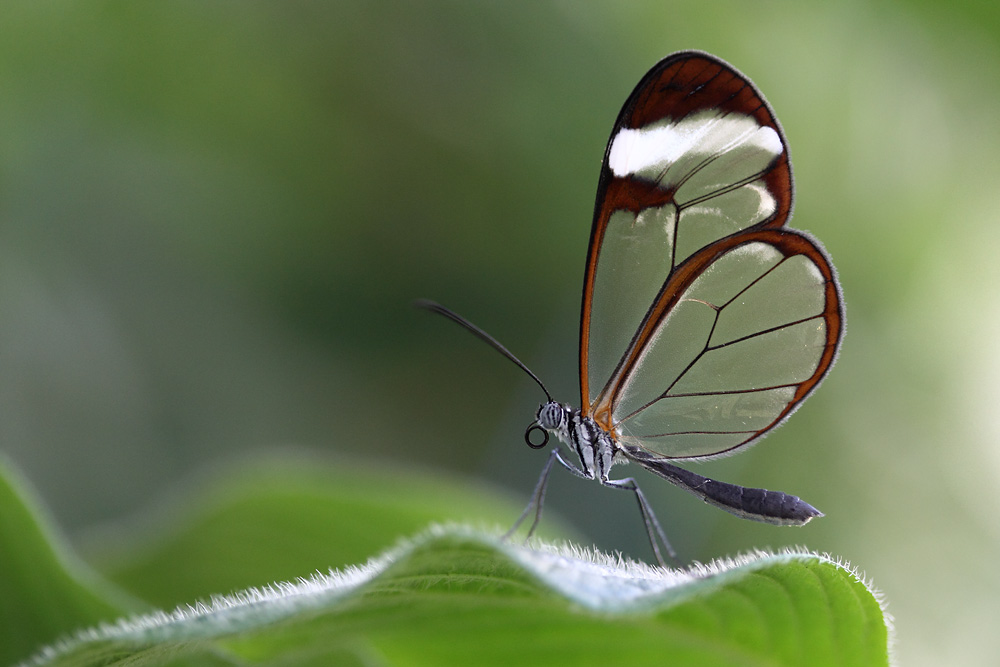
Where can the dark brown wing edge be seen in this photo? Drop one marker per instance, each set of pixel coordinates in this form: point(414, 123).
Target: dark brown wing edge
point(789, 242)
point(680, 84)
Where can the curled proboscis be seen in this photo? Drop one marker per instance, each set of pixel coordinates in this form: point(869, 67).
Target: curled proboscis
point(545, 436)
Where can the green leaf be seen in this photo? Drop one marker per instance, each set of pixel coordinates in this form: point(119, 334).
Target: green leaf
point(44, 592)
point(454, 596)
point(280, 518)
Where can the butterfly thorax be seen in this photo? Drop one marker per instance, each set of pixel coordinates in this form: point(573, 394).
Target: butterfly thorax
point(594, 446)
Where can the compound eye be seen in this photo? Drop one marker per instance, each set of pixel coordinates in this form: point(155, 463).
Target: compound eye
point(533, 444)
point(550, 416)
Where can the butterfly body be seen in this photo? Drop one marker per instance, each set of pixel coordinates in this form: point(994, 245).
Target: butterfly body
point(594, 447)
point(598, 450)
point(706, 321)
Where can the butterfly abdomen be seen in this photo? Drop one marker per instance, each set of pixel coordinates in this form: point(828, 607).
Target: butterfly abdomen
point(775, 507)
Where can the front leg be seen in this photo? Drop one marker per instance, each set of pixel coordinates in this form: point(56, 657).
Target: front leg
point(538, 495)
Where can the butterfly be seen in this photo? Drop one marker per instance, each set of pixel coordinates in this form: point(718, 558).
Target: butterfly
point(706, 321)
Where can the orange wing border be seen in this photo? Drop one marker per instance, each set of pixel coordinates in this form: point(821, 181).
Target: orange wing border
point(788, 242)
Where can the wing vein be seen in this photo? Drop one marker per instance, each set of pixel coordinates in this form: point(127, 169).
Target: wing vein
point(727, 392)
point(762, 332)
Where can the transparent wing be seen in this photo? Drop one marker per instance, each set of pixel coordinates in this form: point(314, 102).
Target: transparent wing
point(695, 155)
point(742, 334)
point(705, 322)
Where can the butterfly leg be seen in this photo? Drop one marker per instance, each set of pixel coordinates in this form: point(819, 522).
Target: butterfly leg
point(538, 495)
point(653, 528)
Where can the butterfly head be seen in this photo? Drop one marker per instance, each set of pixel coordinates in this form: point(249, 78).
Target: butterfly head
point(551, 416)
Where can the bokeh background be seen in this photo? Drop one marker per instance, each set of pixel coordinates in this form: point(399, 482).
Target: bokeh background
point(214, 216)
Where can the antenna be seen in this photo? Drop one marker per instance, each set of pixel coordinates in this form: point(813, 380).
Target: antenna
point(482, 335)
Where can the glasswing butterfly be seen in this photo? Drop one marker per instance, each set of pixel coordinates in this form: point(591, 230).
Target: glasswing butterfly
point(706, 321)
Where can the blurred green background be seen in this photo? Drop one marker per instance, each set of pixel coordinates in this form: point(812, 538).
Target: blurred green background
point(213, 217)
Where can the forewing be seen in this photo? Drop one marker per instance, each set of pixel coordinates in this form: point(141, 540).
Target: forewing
point(744, 331)
point(695, 156)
